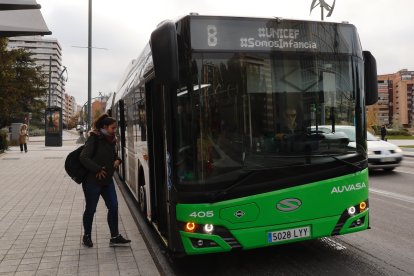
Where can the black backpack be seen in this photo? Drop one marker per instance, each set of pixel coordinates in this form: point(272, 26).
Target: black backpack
point(74, 167)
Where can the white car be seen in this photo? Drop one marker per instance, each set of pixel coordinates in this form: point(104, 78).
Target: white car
point(381, 154)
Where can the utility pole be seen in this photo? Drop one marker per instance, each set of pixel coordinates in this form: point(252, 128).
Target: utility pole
point(90, 66)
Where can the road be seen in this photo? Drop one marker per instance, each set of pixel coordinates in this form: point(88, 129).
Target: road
point(386, 249)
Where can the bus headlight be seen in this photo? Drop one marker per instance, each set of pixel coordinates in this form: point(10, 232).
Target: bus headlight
point(208, 228)
point(351, 210)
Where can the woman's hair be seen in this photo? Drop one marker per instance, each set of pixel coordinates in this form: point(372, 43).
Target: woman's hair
point(23, 126)
point(103, 120)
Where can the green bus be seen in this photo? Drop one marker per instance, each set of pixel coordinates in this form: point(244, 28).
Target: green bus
point(218, 126)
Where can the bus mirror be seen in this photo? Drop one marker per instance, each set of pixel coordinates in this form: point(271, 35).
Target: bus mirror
point(371, 79)
point(164, 49)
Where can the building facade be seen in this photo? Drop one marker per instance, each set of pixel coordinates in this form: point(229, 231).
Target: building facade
point(69, 109)
point(47, 53)
point(395, 106)
point(400, 88)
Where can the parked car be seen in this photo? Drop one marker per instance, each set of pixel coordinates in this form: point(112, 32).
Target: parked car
point(80, 127)
point(381, 154)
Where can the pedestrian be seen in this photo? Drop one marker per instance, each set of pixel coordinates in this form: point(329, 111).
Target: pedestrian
point(99, 157)
point(383, 132)
point(23, 134)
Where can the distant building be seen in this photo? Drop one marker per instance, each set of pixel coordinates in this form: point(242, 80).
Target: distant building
point(69, 108)
point(398, 90)
point(98, 107)
point(43, 49)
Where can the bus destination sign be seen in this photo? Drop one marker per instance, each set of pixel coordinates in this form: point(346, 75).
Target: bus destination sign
point(269, 35)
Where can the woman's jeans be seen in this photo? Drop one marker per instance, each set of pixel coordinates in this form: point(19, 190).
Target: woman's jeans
point(92, 193)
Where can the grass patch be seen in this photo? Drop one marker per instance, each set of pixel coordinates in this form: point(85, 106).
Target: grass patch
point(399, 137)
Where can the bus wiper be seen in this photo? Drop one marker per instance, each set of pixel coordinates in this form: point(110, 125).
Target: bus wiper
point(233, 185)
point(345, 162)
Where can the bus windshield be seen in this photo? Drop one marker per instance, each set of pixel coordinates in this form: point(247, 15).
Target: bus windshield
point(258, 111)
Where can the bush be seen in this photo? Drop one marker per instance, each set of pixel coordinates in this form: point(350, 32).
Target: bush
point(398, 132)
point(4, 143)
point(377, 129)
point(36, 132)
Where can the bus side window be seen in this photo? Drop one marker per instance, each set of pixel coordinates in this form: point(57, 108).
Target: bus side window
point(142, 121)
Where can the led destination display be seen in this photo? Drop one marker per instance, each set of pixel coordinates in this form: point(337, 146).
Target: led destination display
point(229, 34)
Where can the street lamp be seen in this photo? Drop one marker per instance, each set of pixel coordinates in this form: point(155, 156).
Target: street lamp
point(59, 78)
point(89, 109)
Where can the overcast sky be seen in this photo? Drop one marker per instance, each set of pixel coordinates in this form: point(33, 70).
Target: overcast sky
point(123, 27)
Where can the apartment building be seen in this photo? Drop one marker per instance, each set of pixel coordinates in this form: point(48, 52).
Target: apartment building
point(47, 53)
point(69, 108)
point(396, 99)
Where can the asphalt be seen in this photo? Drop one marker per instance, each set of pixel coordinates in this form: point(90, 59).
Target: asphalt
point(41, 220)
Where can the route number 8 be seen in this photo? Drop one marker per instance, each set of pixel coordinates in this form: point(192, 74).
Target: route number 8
point(211, 35)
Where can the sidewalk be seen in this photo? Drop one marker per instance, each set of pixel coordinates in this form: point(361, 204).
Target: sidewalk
point(41, 220)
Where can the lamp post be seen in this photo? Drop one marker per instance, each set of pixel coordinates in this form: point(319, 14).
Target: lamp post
point(59, 78)
point(89, 109)
point(90, 64)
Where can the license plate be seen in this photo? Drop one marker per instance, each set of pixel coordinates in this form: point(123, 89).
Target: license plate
point(388, 159)
point(290, 234)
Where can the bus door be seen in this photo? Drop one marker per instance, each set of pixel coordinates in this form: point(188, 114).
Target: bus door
point(157, 154)
point(121, 146)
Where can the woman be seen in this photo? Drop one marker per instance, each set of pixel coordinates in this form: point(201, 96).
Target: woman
point(100, 158)
point(22, 137)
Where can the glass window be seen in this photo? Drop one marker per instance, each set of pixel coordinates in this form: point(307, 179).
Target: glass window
point(260, 111)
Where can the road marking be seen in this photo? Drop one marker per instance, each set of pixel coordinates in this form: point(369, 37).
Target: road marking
point(403, 171)
point(334, 244)
point(393, 195)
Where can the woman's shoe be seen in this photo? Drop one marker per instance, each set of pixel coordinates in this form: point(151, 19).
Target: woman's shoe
point(87, 241)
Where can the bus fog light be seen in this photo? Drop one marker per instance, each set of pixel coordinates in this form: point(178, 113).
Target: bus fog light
point(351, 210)
point(208, 228)
point(200, 243)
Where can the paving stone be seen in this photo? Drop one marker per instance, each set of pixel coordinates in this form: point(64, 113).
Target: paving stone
point(41, 221)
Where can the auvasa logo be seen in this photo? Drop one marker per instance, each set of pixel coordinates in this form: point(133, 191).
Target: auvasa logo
point(348, 188)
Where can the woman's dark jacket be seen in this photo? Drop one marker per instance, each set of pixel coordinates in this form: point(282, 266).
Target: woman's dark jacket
point(98, 153)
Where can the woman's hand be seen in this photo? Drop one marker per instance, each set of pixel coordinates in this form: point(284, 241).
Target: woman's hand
point(101, 174)
point(117, 163)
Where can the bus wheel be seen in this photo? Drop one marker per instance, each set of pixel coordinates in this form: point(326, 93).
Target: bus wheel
point(143, 201)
